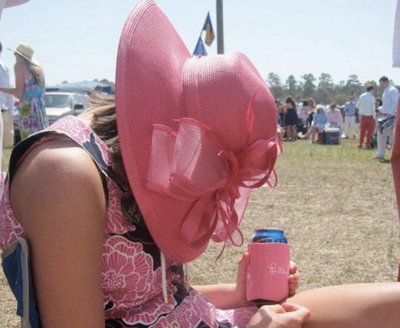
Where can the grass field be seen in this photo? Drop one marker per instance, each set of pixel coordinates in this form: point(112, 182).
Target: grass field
point(337, 206)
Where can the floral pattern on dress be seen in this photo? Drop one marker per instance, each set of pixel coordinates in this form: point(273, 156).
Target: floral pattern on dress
point(240, 317)
point(10, 228)
point(147, 313)
point(117, 222)
point(125, 266)
point(186, 314)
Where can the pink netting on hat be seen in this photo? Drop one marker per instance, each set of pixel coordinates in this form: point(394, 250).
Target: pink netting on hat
point(193, 165)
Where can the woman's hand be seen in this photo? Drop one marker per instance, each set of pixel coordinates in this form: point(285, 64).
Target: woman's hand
point(286, 315)
point(241, 279)
point(294, 277)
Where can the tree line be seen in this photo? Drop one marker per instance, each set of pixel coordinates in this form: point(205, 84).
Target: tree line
point(323, 89)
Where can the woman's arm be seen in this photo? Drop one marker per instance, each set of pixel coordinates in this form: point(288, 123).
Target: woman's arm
point(19, 81)
point(57, 195)
point(229, 296)
point(224, 296)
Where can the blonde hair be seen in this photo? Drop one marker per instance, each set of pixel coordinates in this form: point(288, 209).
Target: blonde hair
point(35, 70)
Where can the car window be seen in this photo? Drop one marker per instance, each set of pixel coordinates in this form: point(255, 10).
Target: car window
point(85, 101)
point(77, 99)
point(58, 101)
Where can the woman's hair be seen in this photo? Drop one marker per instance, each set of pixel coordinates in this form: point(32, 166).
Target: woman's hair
point(104, 124)
point(35, 70)
point(333, 105)
point(289, 100)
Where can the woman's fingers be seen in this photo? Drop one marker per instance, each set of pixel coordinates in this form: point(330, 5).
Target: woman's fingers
point(293, 267)
point(302, 313)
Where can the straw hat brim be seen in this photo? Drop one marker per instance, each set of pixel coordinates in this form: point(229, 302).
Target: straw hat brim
point(31, 60)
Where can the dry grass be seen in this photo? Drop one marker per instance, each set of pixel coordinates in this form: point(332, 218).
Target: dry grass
point(337, 206)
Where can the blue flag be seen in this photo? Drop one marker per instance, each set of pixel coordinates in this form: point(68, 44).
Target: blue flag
point(210, 36)
point(200, 50)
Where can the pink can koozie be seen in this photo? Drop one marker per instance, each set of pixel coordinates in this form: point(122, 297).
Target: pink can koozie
point(268, 272)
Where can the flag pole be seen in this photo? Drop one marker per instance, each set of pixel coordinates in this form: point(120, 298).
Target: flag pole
point(220, 27)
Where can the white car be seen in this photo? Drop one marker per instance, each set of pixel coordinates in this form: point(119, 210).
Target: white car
point(60, 104)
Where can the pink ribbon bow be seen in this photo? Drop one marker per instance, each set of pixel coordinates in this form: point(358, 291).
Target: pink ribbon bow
point(193, 165)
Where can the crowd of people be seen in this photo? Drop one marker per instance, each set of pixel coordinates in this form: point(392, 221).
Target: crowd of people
point(376, 118)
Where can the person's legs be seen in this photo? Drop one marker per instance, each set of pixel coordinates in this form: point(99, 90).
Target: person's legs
point(352, 126)
point(363, 125)
point(381, 139)
point(352, 306)
point(347, 125)
point(390, 135)
point(313, 130)
point(370, 130)
point(288, 132)
point(8, 129)
point(294, 133)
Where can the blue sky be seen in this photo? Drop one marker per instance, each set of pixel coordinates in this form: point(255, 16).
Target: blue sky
point(77, 39)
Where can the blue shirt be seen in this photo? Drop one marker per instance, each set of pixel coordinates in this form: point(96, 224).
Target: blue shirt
point(320, 118)
point(350, 108)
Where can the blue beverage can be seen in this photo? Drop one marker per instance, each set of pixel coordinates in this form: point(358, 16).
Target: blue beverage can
point(269, 235)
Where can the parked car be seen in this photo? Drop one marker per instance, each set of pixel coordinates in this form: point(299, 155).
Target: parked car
point(58, 104)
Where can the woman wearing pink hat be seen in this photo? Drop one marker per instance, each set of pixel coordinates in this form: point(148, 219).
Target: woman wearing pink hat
point(114, 203)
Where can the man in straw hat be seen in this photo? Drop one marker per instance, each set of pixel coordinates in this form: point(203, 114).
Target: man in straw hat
point(146, 184)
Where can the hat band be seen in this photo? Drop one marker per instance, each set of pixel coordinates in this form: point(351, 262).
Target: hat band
point(192, 165)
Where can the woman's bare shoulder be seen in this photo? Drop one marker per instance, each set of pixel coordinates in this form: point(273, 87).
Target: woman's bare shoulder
point(56, 176)
point(57, 158)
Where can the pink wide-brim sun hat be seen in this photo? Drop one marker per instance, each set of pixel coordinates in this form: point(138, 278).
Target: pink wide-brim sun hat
point(197, 135)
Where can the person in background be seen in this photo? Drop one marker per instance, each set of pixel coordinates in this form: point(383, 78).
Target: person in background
point(311, 113)
point(318, 125)
point(334, 117)
point(305, 111)
point(280, 111)
point(350, 118)
point(390, 99)
point(30, 89)
point(291, 119)
point(6, 104)
point(366, 106)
